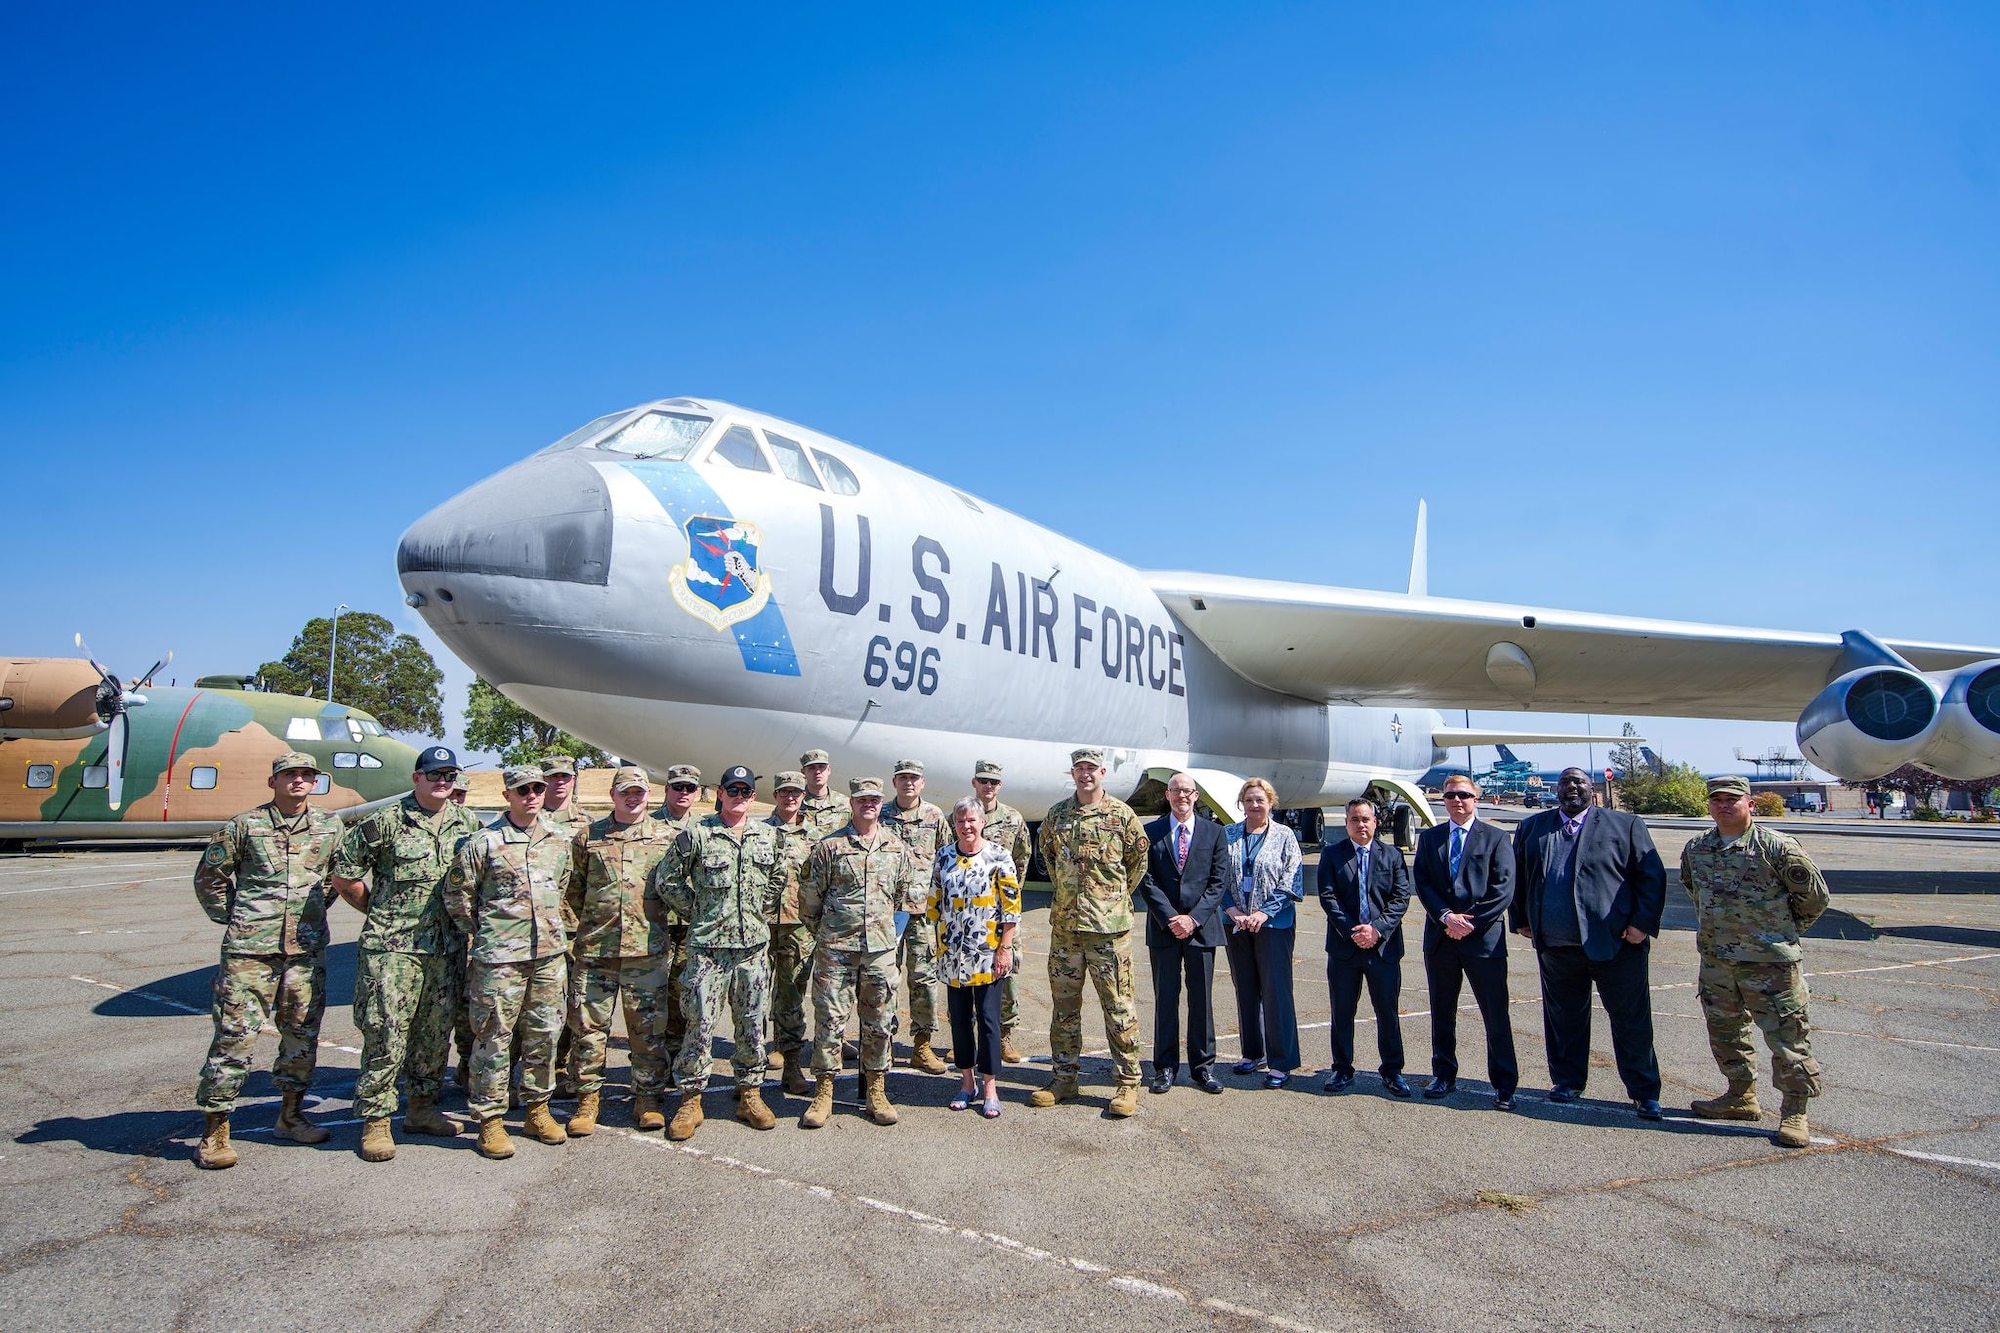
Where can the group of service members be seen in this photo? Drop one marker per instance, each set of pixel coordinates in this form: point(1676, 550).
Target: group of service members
point(542, 925)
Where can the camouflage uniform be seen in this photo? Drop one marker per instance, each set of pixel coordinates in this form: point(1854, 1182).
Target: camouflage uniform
point(620, 951)
point(827, 813)
point(791, 938)
point(571, 822)
point(725, 884)
point(263, 878)
point(673, 1028)
point(1006, 828)
point(505, 894)
point(403, 995)
point(1753, 895)
point(923, 829)
point(849, 896)
point(1096, 856)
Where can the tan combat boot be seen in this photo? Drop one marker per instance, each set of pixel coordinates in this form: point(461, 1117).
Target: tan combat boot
point(875, 1096)
point(821, 1109)
point(795, 1076)
point(493, 1140)
point(750, 1109)
point(646, 1113)
point(539, 1125)
point(1010, 1054)
point(1739, 1103)
point(292, 1123)
point(584, 1123)
point(1061, 1088)
point(377, 1144)
point(687, 1117)
point(214, 1152)
point(922, 1057)
point(423, 1117)
point(1124, 1101)
point(1792, 1131)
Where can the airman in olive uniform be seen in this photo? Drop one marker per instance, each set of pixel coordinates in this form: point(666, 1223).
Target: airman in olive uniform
point(561, 808)
point(923, 829)
point(791, 939)
point(823, 809)
point(676, 812)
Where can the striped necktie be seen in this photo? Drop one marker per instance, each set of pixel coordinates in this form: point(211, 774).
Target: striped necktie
point(1457, 847)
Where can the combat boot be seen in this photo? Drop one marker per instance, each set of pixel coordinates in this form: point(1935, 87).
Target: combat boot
point(795, 1076)
point(539, 1125)
point(214, 1152)
point(493, 1140)
point(875, 1096)
point(377, 1143)
point(584, 1123)
point(821, 1109)
point(1124, 1101)
point(1739, 1103)
point(1010, 1054)
point(750, 1109)
point(687, 1117)
point(423, 1117)
point(646, 1113)
point(1792, 1131)
point(292, 1123)
point(922, 1057)
point(1061, 1088)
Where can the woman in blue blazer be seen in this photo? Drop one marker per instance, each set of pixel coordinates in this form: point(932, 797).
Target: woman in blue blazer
point(1267, 879)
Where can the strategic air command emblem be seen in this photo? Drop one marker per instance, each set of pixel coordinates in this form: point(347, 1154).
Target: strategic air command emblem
point(719, 583)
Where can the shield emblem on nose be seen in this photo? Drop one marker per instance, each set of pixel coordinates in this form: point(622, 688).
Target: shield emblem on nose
point(719, 583)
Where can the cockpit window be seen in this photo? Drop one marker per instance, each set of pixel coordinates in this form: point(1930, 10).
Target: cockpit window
point(840, 478)
point(579, 436)
point(339, 729)
point(791, 456)
point(739, 448)
point(668, 435)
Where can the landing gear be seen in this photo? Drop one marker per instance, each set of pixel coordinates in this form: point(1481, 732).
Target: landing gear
point(1403, 826)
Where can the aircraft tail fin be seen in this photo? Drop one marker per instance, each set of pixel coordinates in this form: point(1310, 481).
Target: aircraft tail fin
point(1420, 554)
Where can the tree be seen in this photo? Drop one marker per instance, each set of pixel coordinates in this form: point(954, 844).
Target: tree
point(376, 670)
point(495, 722)
point(1675, 789)
point(1628, 756)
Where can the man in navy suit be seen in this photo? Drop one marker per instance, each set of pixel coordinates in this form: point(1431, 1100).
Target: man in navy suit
point(1590, 890)
point(1364, 887)
point(1465, 878)
point(1187, 871)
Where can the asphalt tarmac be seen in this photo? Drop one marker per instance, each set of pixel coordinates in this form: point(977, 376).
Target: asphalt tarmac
point(1288, 1208)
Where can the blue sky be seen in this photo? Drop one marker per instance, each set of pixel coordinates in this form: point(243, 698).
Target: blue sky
point(1677, 310)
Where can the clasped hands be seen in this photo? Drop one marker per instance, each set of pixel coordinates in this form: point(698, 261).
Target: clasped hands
point(1250, 921)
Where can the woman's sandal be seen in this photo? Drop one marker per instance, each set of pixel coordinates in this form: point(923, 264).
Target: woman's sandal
point(991, 1110)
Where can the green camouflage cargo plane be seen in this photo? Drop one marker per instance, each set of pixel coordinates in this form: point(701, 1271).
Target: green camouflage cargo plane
point(86, 757)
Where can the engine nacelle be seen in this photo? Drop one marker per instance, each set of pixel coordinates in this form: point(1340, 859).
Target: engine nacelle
point(1965, 742)
point(48, 698)
point(1869, 722)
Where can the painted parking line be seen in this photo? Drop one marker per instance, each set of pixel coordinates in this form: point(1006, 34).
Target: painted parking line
point(100, 884)
point(1944, 1160)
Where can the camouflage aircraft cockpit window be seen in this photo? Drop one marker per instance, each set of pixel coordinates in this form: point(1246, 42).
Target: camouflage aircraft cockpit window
point(792, 460)
point(738, 447)
point(302, 729)
point(346, 759)
point(323, 785)
point(577, 438)
point(340, 729)
point(202, 778)
point(840, 478)
point(370, 761)
point(41, 775)
point(664, 435)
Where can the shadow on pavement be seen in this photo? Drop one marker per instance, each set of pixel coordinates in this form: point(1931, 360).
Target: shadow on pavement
point(196, 989)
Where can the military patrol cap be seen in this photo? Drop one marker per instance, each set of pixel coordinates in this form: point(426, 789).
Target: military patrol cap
point(1089, 754)
point(864, 787)
point(436, 758)
point(558, 763)
point(908, 766)
point(629, 777)
point(463, 782)
point(986, 768)
point(517, 776)
point(1738, 785)
point(811, 757)
point(293, 759)
point(737, 774)
point(683, 773)
point(790, 781)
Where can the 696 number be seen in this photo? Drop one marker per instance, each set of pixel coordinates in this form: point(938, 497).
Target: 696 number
point(900, 665)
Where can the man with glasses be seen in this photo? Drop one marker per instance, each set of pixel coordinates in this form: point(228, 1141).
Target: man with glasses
point(923, 829)
point(824, 810)
point(1464, 873)
point(1755, 892)
point(721, 877)
point(409, 963)
point(1004, 827)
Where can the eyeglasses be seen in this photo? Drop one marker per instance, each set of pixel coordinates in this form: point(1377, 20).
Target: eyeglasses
point(440, 775)
point(684, 786)
point(738, 789)
point(1460, 795)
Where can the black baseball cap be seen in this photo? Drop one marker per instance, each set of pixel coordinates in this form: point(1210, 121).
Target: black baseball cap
point(435, 758)
point(739, 774)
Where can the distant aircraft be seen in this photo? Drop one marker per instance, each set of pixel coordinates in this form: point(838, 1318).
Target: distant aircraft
point(83, 756)
point(691, 581)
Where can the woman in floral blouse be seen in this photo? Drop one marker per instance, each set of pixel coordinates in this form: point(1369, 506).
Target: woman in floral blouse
point(976, 902)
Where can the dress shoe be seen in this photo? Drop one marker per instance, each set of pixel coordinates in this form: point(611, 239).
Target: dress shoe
point(1276, 1078)
point(1561, 1094)
point(1160, 1083)
point(1207, 1082)
point(1648, 1108)
point(1439, 1087)
point(1247, 1067)
point(1504, 1102)
point(1396, 1085)
point(1339, 1082)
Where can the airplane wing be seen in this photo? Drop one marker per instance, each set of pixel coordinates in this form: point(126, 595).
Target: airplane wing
point(1358, 646)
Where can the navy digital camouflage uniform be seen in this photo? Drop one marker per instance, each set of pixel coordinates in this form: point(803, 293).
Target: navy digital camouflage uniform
point(1096, 856)
point(849, 895)
point(621, 954)
point(263, 878)
point(724, 883)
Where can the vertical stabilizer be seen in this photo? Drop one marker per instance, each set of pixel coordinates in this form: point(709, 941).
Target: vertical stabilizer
point(1420, 555)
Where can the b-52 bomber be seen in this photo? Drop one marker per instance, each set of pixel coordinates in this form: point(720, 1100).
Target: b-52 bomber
point(688, 580)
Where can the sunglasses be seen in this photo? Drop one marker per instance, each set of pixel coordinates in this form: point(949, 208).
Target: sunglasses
point(440, 775)
point(533, 788)
point(684, 786)
point(738, 789)
point(986, 782)
point(1460, 795)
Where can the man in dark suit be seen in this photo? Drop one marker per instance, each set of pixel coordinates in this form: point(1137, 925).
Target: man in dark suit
point(1187, 872)
point(1589, 892)
point(1364, 887)
point(1465, 878)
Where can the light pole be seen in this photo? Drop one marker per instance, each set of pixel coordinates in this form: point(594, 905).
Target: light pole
point(333, 650)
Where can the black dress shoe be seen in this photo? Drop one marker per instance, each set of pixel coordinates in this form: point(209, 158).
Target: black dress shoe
point(1559, 1093)
point(1396, 1085)
point(1504, 1102)
point(1248, 1067)
point(1648, 1108)
point(1276, 1078)
point(1207, 1082)
point(1439, 1087)
point(1160, 1083)
point(1339, 1082)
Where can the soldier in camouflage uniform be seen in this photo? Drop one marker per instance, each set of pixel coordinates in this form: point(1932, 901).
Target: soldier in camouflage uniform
point(822, 808)
point(857, 882)
point(560, 808)
point(923, 829)
point(1005, 828)
point(791, 939)
point(1755, 891)
point(1095, 851)
point(505, 895)
point(721, 877)
point(403, 996)
point(677, 812)
point(263, 878)
point(620, 952)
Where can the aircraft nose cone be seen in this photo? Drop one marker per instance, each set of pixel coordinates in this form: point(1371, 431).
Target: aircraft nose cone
point(544, 518)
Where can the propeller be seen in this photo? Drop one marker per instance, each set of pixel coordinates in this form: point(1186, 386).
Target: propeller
point(111, 703)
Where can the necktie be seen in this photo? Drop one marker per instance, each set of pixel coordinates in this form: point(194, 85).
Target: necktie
point(1361, 876)
point(1572, 827)
point(1457, 847)
point(1180, 848)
